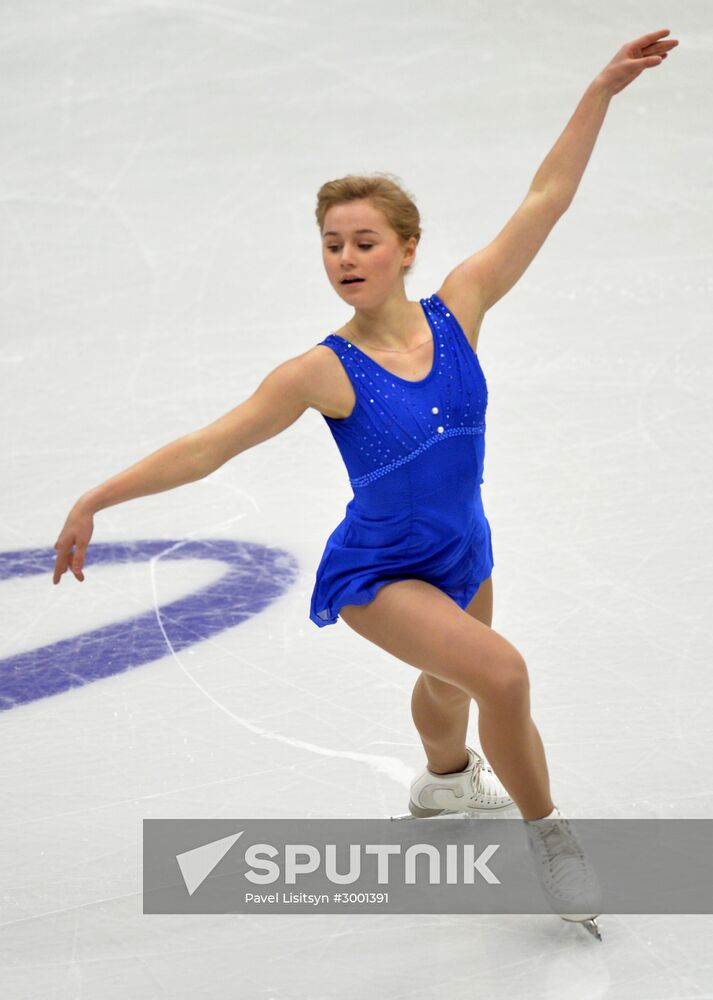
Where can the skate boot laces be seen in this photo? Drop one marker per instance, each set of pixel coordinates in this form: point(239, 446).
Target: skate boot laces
point(485, 787)
point(564, 870)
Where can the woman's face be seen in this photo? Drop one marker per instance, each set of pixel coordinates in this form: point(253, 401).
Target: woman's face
point(357, 241)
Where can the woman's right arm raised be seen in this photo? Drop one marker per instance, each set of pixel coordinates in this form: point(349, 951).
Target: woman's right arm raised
point(282, 396)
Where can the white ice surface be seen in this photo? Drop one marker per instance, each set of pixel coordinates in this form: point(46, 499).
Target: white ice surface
point(160, 163)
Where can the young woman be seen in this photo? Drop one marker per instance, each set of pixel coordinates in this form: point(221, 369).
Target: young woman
point(403, 393)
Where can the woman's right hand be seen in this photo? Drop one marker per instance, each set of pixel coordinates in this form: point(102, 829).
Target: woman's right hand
point(75, 534)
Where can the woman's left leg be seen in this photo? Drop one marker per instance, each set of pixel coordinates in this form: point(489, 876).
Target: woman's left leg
point(440, 710)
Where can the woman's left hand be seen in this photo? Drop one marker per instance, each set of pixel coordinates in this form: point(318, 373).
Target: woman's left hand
point(633, 58)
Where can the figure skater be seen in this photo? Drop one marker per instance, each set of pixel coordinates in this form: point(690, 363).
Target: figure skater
point(402, 391)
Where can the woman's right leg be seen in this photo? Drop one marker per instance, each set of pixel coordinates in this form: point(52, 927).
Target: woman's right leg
point(441, 711)
point(422, 626)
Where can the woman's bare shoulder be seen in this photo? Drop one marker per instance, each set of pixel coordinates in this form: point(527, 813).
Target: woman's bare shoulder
point(326, 385)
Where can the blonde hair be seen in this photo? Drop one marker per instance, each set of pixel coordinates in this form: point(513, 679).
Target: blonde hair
point(383, 192)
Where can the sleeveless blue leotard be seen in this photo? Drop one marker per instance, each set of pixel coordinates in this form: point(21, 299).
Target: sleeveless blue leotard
point(414, 453)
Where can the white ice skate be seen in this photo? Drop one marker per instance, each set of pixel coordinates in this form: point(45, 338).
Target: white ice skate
point(475, 790)
point(563, 870)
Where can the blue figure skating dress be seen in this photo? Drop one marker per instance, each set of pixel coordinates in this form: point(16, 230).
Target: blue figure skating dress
point(414, 453)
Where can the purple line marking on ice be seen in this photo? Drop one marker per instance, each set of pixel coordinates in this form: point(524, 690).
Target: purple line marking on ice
point(256, 575)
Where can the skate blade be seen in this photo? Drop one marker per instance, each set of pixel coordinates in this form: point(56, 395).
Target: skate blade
point(448, 815)
point(589, 925)
point(509, 811)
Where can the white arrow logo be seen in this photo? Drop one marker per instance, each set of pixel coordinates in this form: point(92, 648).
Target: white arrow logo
point(197, 864)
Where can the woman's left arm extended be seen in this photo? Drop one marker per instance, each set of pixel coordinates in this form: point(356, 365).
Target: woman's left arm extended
point(562, 168)
point(489, 274)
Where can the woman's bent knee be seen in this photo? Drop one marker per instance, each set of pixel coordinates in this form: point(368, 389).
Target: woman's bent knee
point(509, 685)
point(424, 627)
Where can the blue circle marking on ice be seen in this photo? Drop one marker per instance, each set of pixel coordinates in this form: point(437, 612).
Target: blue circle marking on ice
point(255, 576)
